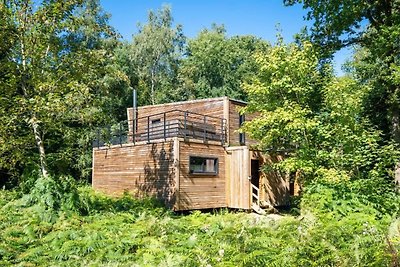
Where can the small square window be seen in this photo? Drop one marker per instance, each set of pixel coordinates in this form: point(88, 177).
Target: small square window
point(203, 165)
point(155, 122)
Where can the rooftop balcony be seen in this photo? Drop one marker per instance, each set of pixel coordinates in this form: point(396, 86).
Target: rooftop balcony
point(175, 123)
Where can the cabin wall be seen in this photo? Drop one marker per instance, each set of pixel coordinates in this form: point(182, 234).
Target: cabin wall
point(143, 169)
point(199, 191)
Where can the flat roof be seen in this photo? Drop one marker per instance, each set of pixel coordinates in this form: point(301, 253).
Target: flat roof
point(195, 101)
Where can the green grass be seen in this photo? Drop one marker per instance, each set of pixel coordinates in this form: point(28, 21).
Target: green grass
point(129, 232)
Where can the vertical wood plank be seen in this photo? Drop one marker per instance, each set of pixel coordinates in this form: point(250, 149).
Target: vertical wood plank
point(177, 173)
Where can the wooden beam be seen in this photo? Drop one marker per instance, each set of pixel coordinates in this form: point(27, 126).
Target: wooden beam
point(226, 117)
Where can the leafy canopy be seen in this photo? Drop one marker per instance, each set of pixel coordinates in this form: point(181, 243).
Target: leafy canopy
point(53, 58)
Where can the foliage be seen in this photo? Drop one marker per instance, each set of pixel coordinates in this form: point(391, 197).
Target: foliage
point(129, 232)
point(316, 121)
point(154, 55)
point(284, 93)
point(48, 96)
point(216, 65)
point(374, 26)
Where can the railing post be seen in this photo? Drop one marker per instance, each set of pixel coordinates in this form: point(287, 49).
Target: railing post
point(133, 134)
point(205, 132)
point(222, 132)
point(165, 129)
point(185, 124)
point(98, 137)
point(120, 133)
point(148, 129)
point(109, 134)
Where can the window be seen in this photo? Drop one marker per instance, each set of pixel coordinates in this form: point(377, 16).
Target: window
point(242, 139)
point(155, 122)
point(156, 125)
point(203, 165)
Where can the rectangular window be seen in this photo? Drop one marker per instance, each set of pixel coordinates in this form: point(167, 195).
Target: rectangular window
point(155, 122)
point(203, 165)
point(242, 139)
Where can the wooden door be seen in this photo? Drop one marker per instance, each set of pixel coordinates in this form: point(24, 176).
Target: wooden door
point(238, 175)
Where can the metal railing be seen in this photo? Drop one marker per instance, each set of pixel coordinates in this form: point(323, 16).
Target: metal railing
point(174, 123)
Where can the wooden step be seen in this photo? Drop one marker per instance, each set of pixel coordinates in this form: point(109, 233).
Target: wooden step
point(257, 209)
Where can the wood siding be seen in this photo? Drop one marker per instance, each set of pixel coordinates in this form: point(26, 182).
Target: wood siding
point(143, 169)
point(200, 191)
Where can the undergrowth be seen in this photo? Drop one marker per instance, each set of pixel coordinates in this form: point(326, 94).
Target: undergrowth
point(104, 231)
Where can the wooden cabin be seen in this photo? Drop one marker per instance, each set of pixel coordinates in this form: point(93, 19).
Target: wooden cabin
point(190, 155)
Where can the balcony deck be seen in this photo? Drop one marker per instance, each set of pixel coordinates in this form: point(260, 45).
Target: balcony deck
point(175, 123)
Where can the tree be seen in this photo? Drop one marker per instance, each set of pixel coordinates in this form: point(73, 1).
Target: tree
point(314, 119)
point(216, 65)
point(286, 93)
point(155, 54)
point(54, 59)
point(339, 24)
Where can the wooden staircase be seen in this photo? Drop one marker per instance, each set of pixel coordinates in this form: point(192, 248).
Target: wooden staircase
point(261, 207)
point(255, 199)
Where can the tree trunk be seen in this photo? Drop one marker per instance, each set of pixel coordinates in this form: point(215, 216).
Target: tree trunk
point(25, 86)
point(395, 122)
point(394, 114)
point(39, 143)
point(397, 175)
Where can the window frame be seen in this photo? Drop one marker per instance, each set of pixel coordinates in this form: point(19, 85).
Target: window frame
point(201, 173)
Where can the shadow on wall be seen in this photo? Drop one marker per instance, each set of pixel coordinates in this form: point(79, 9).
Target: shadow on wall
point(275, 183)
point(158, 180)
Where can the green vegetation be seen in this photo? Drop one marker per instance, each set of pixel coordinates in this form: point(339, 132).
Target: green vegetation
point(128, 232)
point(64, 72)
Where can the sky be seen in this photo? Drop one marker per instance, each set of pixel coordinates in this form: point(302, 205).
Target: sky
point(240, 17)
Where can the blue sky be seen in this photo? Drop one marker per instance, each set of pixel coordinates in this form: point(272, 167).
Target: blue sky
point(240, 17)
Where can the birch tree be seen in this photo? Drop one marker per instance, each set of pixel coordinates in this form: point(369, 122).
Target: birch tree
point(155, 54)
point(54, 57)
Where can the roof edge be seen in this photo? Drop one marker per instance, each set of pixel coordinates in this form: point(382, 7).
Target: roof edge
point(194, 101)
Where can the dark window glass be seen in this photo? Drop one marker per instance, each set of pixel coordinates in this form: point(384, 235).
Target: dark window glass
point(203, 165)
point(155, 122)
point(242, 139)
